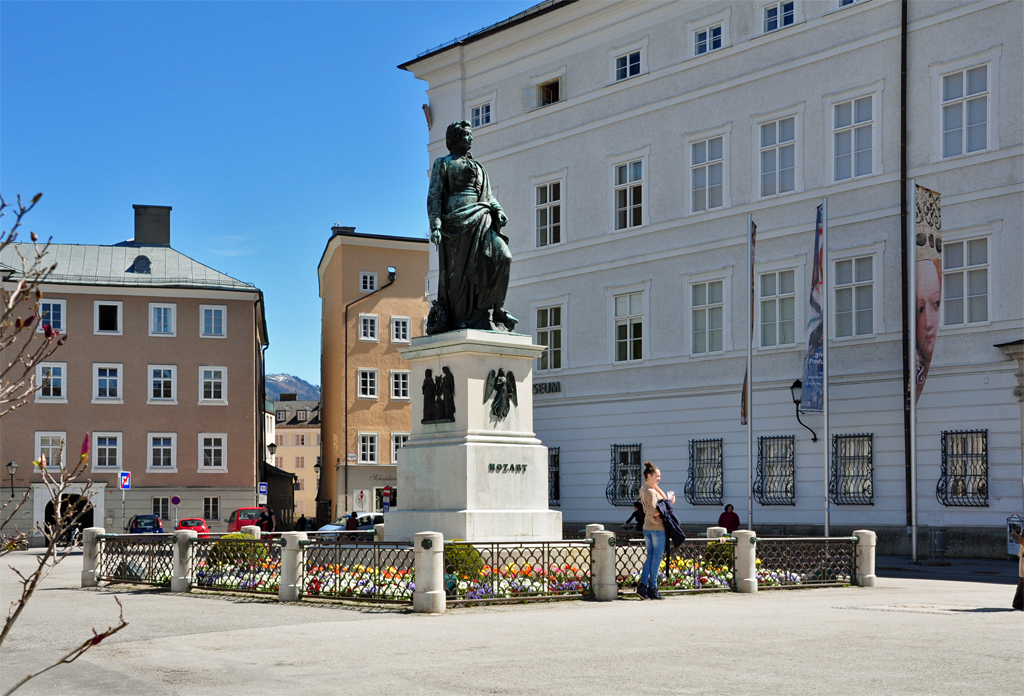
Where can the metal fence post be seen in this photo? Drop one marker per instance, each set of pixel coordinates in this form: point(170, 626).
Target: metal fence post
point(91, 556)
point(428, 598)
point(716, 532)
point(744, 561)
point(602, 567)
point(181, 569)
point(290, 587)
point(865, 557)
point(252, 530)
point(591, 528)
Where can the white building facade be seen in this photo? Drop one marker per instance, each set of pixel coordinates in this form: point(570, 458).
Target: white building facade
point(628, 142)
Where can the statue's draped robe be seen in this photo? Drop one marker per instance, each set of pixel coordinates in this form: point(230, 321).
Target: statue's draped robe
point(474, 258)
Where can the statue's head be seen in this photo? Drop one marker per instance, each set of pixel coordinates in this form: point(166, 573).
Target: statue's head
point(459, 136)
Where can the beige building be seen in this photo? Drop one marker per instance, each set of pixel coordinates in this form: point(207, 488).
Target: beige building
point(373, 297)
point(297, 447)
point(163, 370)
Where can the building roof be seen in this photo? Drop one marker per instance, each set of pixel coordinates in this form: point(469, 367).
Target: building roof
point(526, 15)
point(312, 409)
point(117, 265)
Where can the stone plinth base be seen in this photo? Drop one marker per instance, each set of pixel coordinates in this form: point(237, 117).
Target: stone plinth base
point(476, 525)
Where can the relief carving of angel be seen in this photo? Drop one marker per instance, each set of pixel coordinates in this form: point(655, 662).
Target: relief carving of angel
point(502, 386)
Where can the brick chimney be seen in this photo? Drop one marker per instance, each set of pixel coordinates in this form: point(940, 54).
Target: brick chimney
point(152, 225)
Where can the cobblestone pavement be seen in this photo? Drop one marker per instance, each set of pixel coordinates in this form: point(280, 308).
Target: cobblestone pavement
point(911, 635)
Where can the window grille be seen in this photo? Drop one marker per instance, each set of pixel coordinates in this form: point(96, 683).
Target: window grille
point(704, 480)
point(775, 483)
point(554, 483)
point(853, 468)
point(624, 483)
point(963, 479)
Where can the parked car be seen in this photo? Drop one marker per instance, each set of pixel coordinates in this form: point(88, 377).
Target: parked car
point(244, 517)
point(366, 521)
point(194, 524)
point(145, 524)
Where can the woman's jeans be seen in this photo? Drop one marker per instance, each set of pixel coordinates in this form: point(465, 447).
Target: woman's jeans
point(655, 550)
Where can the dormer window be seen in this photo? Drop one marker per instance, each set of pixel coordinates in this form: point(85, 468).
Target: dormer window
point(300, 415)
point(281, 415)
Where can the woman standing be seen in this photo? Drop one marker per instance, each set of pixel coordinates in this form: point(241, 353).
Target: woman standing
point(654, 532)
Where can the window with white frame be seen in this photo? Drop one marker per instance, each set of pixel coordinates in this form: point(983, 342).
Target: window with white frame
point(162, 319)
point(549, 213)
point(854, 292)
point(707, 311)
point(778, 156)
point(163, 383)
point(549, 335)
point(398, 441)
point(300, 415)
point(847, 3)
point(627, 65)
point(51, 378)
point(778, 15)
point(480, 115)
point(628, 194)
point(162, 507)
point(300, 484)
point(706, 174)
point(707, 39)
point(213, 451)
point(399, 385)
point(965, 102)
point(49, 445)
point(162, 451)
point(367, 281)
point(279, 462)
point(852, 138)
point(367, 384)
point(281, 416)
point(367, 327)
point(213, 321)
point(367, 448)
point(778, 308)
point(300, 462)
point(281, 440)
point(51, 312)
point(106, 383)
point(549, 92)
point(213, 385)
point(106, 450)
point(965, 288)
point(629, 327)
point(300, 439)
point(400, 329)
point(107, 317)
point(211, 508)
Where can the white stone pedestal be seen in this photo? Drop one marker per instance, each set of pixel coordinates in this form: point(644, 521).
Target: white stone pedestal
point(477, 479)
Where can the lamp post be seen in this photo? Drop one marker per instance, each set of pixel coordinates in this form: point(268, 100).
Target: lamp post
point(797, 391)
point(272, 447)
point(11, 468)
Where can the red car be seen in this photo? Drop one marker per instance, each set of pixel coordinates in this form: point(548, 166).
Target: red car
point(194, 524)
point(244, 517)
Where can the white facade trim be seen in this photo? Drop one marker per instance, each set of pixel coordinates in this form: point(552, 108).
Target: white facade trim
point(150, 399)
point(615, 53)
point(96, 317)
point(722, 19)
point(174, 319)
point(173, 468)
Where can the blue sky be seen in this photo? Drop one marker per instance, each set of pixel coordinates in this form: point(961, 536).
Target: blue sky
point(260, 123)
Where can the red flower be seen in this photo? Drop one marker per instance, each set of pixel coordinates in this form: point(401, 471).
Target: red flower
point(47, 330)
point(85, 445)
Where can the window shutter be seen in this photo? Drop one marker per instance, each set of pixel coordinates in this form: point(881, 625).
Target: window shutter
point(529, 98)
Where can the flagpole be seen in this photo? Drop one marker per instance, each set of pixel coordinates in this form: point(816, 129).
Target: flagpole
point(824, 347)
point(750, 379)
point(912, 386)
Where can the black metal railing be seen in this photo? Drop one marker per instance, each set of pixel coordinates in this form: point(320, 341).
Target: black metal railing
point(624, 478)
point(363, 571)
point(963, 478)
point(237, 565)
point(853, 466)
point(775, 482)
point(704, 480)
point(145, 559)
point(554, 477)
point(806, 561)
point(502, 571)
point(696, 565)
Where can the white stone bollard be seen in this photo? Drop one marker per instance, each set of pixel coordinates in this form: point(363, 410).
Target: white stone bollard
point(591, 528)
point(429, 564)
point(602, 567)
point(378, 532)
point(252, 530)
point(865, 557)
point(744, 561)
point(290, 589)
point(91, 556)
point(716, 532)
point(181, 572)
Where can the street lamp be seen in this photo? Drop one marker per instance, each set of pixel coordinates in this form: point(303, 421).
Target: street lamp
point(797, 391)
point(272, 447)
point(11, 468)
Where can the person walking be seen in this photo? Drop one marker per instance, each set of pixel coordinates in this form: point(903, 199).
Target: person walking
point(654, 532)
point(729, 519)
point(1018, 598)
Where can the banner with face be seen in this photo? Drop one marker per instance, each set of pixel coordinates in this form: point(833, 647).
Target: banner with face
point(928, 281)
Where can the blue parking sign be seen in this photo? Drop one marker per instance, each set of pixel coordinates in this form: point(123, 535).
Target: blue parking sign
point(263, 488)
point(126, 480)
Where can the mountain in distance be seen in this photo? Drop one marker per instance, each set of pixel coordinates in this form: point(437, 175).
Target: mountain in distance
point(289, 384)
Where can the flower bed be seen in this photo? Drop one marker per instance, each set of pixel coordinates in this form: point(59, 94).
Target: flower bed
point(360, 582)
point(517, 581)
point(252, 577)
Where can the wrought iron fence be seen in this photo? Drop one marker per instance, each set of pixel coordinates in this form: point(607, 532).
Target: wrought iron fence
point(146, 559)
point(963, 479)
point(853, 468)
point(554, 478)
point(504, 571)
point(696, 565)
point(624, 478)
point(775, 482)
point(237, 565)
point(806, 561)
point(364, 571)
point(704, 481)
